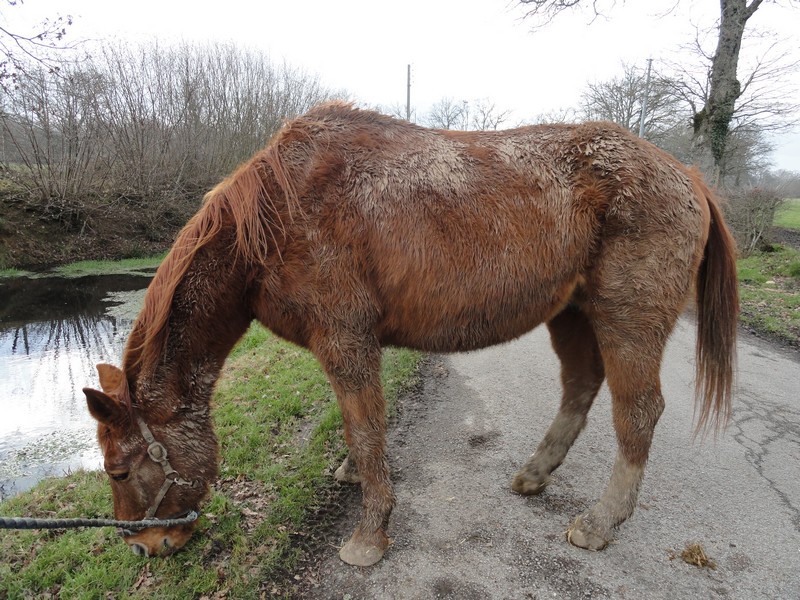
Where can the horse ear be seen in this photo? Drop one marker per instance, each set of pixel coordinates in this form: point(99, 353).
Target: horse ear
point(104, 408)
point(111, 378)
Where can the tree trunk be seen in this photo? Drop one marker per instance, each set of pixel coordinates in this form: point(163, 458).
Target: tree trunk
point(712, 123)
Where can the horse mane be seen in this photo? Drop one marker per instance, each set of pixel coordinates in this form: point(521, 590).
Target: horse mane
point(257, 199)
point(247, 200)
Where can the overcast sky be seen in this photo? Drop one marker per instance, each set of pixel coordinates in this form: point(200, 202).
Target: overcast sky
point(461, 49)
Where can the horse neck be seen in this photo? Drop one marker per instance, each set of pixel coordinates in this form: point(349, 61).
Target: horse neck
point(208, 314)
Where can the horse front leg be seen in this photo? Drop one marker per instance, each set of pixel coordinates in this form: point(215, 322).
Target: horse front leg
point(355, 377)
point(582, 375)
point(347, 471)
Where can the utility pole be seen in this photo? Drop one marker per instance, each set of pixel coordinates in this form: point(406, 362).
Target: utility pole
point(408, 95)
point(645, 95)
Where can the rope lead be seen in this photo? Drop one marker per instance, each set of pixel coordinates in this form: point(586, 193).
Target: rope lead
point(28, 523)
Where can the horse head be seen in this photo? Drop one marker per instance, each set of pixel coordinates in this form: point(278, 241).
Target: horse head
point(160, 463)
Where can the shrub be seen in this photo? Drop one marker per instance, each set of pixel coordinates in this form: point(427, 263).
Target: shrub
point(750, 213)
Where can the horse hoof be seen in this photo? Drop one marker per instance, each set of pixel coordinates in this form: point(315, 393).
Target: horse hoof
point(581, 535)
point(360, 555)
point(526, 487)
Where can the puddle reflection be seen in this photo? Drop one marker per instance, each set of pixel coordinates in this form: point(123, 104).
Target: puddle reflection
point(52, 334)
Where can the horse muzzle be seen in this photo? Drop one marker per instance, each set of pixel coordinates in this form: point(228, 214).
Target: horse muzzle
point(159, 541)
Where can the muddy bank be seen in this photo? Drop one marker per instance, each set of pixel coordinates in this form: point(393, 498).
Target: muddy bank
point(34, 238)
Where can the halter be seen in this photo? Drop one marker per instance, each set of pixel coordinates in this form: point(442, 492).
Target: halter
point(158, 454)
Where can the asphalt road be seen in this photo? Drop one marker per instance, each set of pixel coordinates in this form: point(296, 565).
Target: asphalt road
point(460, 532)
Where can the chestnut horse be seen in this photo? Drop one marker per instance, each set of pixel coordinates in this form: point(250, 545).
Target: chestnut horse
point(352, 230)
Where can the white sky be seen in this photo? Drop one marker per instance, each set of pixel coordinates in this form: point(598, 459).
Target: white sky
point(461, 49)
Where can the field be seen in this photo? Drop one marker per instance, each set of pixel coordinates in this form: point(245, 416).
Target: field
point(769, 282)
point(769, 292)
point(788, 215)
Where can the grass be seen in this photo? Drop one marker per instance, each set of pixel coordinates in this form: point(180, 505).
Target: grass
point(93, 267)
point(9, 273)
point(769, 285)
point(104, 267)
point(769, 292)
point(280, 439)
point(788, 215)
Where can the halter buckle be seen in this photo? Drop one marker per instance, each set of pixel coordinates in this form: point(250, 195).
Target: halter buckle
point(157, 452)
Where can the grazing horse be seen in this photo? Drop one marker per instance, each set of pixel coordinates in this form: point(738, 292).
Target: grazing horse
point(352, 230)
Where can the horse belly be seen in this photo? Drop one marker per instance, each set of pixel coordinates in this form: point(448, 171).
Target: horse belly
point(467, 312)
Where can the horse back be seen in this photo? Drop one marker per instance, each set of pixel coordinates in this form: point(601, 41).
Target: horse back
point(449, 241)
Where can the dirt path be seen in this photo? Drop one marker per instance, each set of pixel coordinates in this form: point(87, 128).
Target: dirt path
point(459, 531)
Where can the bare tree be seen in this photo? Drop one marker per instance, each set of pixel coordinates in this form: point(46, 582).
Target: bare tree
point(712, 122)
point(668, 120)
point(486, 115)
point(451, 114)
point(620, 99)
point(447, 114)
point(18, 49)
point(788, 182)
point(559, 115)
point(397, 111)
point(542, 12)
point(151, 125)
point(766, 100)
point(50, 124)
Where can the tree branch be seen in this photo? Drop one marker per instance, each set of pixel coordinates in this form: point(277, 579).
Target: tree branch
point(545, 11)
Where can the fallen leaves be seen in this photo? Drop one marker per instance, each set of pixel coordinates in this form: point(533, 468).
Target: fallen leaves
point(694, 555)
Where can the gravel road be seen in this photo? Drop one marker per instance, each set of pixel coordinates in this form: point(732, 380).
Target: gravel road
point(460, 532)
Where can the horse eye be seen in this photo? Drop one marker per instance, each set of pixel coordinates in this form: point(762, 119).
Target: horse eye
point(119, 476)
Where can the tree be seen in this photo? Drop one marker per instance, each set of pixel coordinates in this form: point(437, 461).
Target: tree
point(396, 110)
point(620, 100)
point(712, 122)
point(670, 110)
point(447, 114)
point(766, 102)
point(149, 125)
point(450, 114)
point(20, 49)
point(487, 117)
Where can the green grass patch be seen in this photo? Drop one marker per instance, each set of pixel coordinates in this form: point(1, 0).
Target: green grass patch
point(769, 293)
point(105, 267)
point(9, 273)
point(280, 438)
point(94, 267)
point(788, 215)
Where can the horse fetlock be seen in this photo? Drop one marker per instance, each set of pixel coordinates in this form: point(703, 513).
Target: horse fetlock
point(364, 550)
point(530, 482)
point(347, 472)
point(588, 532)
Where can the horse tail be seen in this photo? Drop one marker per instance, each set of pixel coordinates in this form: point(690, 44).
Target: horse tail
point(717, 319)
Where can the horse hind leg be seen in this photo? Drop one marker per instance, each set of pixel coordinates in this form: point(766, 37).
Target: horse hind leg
point(582, 374)
point(639, 287)
point(632, 365)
